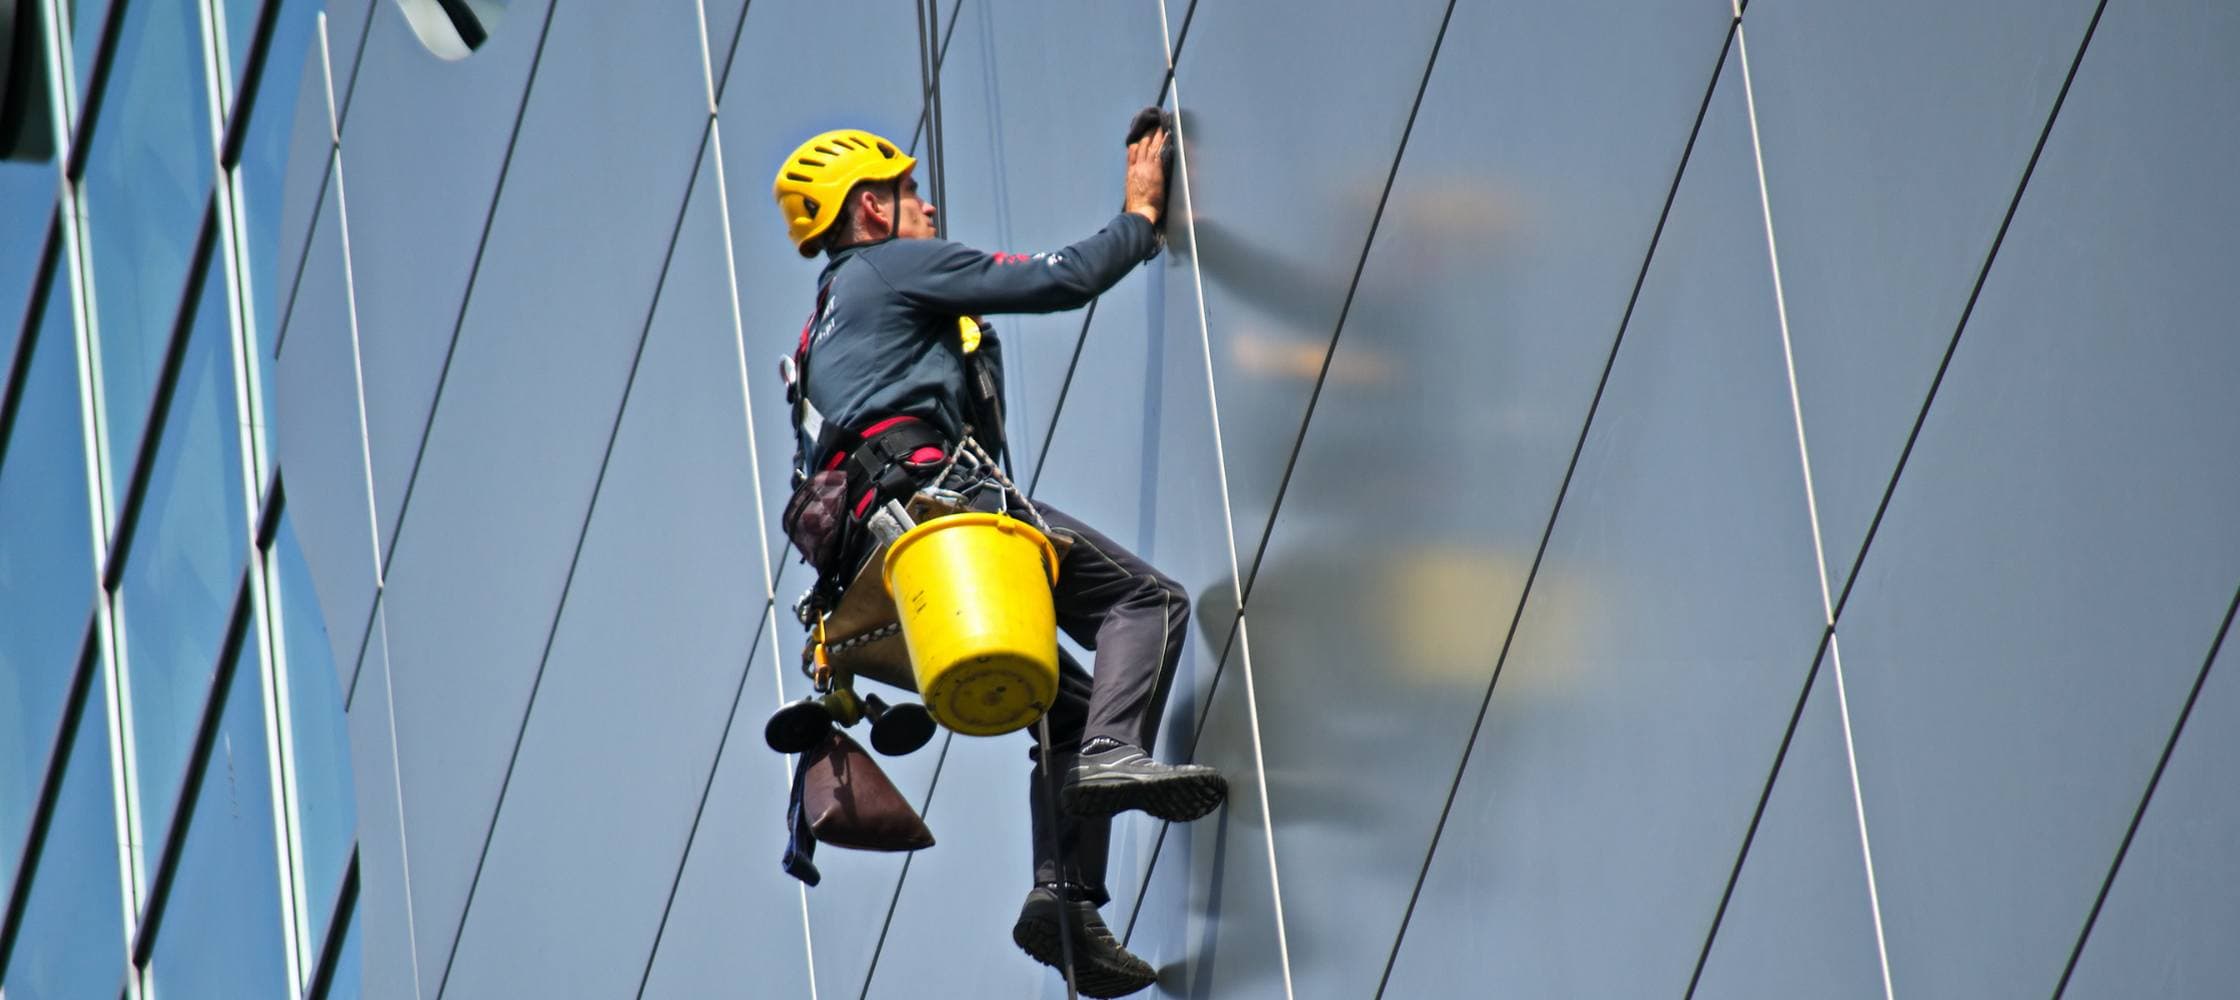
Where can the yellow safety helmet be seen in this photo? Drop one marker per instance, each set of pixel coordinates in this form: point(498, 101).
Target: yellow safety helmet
point(815, 180)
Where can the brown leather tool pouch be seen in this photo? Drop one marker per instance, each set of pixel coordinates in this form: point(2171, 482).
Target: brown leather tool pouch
point(850, 803)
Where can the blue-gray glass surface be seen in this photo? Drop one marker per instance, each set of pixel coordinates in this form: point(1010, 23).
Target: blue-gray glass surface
point(326, 803)
point(425, 140)
point(493, 538)
point(1662, 643)
point(146, 184)
point(240, 26)
point(621, 663)
point(46, 567)
point(293, 82)
point(1282, 208)
point(27, 199)
point(731, 889)
point(1487, 306)
point(70, 943)
point(1034, 168)
point(185, 562)
point(1894, 135)
point(1801, 922)
point(2167, 927)
point(88, 19)
point(221, 932)
point(2059, 554)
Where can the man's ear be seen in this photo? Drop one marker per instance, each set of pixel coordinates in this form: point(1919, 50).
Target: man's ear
point(876, 213)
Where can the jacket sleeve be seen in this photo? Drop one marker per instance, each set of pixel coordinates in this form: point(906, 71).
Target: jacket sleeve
point(949, 277)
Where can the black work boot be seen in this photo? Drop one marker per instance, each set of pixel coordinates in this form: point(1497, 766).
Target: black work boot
point(1101, 968)
point(1123, 777)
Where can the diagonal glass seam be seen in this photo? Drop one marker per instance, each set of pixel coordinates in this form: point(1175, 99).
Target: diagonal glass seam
point(474, 273)
point(326, 174)
point(575, 561)
point(216, 698)
point(2146, 797)
point(1812, 509)
point(1975, 293)
point(1345, 307)
point(341, 923)
point(707, 790)
point(49, 794)
point(1555, 513)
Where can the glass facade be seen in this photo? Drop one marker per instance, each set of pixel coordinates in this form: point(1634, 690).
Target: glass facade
point(1678, 498)
point(176, 813)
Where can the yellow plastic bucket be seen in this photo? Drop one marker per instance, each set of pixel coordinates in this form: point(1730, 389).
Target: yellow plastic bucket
point(973, 594)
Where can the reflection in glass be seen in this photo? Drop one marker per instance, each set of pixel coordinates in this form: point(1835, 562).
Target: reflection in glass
point(221, 933)
point(326, 803)
point(46, 572)
point(71, 943)
point(184, 564)
point(147, 180)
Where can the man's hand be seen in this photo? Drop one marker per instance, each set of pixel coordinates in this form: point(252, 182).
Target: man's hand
point(1147, 176)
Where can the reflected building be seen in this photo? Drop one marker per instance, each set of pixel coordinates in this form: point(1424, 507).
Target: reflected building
point(1676, 501)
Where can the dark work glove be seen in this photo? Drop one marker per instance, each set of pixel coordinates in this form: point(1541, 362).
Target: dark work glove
point(1141, 125)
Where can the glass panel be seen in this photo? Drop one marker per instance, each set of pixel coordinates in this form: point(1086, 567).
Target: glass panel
point(292, 74)
point(2167, 928)
point(241, 36)
point(2061, 549)
point(1663, 641)
point(184, 565)
point(147, 180)
point(71, 943)
point(26, 193)
point(221, 933)
point(629, 588)
point(86, 22)
point(46, 568)
point(1800, 923)
point(325, 803)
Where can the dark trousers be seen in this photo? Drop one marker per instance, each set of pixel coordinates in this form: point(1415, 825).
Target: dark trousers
point(1135, 619)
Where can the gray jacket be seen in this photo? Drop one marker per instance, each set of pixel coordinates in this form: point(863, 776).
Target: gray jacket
point(884, 341)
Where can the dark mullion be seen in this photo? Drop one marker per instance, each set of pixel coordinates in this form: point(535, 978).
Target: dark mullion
point(275, 504)
point(206, 736)
point(167, 385)
point(17, 372)
point(50, 789)
point(252, 77)
point(340, 923)
point(97, 85)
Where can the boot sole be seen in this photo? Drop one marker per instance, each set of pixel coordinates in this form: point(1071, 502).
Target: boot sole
point(1038, 937)
point(1177, 799)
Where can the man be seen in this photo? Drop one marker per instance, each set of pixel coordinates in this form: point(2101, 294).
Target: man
point(889, 385)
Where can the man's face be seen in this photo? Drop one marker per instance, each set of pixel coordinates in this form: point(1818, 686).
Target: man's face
point(913, 215)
